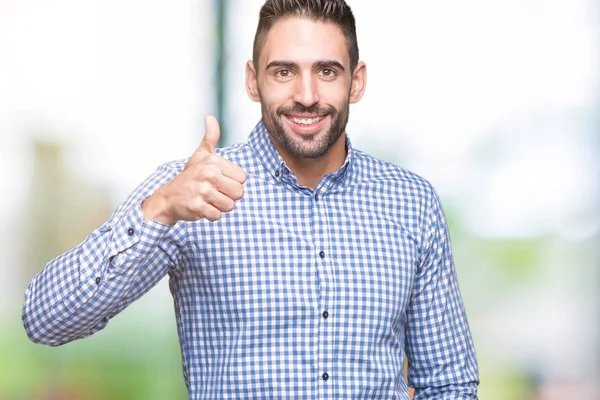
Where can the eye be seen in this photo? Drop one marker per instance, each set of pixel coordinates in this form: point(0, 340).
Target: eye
point(284, 74)
point(327, 73)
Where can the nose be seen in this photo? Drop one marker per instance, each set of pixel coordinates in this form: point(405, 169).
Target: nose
point(306, 91)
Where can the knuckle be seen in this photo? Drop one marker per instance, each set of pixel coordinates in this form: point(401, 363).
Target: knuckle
point(211, 159)
point(196, 205)
point(210, 175)
point(204, 189)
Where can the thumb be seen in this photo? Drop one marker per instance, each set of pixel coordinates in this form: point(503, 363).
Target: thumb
point(212, 135)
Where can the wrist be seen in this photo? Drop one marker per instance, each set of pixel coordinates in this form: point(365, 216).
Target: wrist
point(155, 208)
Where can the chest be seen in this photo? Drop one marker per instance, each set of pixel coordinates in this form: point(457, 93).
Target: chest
point(281, 252)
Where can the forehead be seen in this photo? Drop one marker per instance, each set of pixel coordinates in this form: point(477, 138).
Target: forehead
point(304, 41)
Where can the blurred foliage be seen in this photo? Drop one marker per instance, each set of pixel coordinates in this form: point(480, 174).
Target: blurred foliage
point(505, 385)
point(134, 361)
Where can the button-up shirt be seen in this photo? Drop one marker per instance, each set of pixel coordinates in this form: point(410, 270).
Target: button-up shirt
point(295, 294)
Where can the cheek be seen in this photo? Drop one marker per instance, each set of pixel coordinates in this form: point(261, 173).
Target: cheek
point(276, 93)
point(338, 99)
point(334, 93)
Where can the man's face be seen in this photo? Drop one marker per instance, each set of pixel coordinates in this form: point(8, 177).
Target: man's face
point(304, 85)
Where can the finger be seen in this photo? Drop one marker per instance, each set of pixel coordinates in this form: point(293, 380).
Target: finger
point(211, 213)
point(212, 134)
point(221, 202)
point(230, 188)
point(233, 171)
point(204, 209)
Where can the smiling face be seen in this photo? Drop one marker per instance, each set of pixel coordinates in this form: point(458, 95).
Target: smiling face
point(304, 84)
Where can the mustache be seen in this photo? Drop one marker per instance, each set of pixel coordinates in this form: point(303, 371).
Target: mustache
point(299, 108)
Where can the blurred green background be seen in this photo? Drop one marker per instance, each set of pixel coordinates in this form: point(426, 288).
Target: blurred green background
point(495, 102)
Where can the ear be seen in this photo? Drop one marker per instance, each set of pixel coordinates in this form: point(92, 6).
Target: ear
point(251, 82)
point(359, 82)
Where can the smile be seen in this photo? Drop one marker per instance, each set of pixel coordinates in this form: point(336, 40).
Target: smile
point(306, 125)
point(306, 121)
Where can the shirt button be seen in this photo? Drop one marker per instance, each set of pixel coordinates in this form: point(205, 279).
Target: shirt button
point(97, 280)
point(325, 376)
point(322, 254)
point(325, 314)
point(316, 197)
point(130, 231)
point(277, 174)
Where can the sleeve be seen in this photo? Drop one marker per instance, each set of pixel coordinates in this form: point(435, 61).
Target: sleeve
point(439, 347)
point(78, 292)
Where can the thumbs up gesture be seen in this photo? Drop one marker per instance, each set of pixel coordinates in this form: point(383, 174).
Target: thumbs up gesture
point(208, 185)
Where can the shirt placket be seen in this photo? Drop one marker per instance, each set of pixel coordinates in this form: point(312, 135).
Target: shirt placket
point(326, 310)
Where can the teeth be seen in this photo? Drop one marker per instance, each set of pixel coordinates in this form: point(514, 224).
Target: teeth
point(307, 121)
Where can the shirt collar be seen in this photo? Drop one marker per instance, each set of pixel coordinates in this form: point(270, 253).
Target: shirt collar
point(261, 144)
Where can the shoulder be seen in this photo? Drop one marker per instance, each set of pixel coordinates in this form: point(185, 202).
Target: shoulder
point(172, 167)
point(241, 154)
point(234, 152)
point(398, 194)
point(379, 172)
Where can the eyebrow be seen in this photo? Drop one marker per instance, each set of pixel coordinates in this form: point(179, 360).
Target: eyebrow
point(329, 64)
point(318, 64)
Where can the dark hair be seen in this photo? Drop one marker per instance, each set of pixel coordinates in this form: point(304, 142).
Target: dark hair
point(336, 11)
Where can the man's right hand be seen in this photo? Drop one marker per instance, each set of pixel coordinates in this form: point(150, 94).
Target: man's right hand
point(208, 185)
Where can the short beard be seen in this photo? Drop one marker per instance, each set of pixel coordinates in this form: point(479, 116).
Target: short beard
point(274, 125)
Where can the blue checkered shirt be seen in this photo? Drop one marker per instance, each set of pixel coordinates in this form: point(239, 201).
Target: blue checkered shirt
point(296, 294)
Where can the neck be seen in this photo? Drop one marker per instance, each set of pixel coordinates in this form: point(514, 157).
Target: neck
point(309, 171)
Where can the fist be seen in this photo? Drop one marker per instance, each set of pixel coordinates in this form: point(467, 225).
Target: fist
point(208, 186)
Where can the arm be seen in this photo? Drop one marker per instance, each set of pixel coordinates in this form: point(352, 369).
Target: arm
point(77, 293)
point(439, 347)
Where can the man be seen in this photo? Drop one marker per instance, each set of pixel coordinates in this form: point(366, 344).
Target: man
point(300, 267)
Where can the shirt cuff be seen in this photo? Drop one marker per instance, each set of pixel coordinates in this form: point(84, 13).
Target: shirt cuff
point(133, 239)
